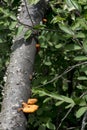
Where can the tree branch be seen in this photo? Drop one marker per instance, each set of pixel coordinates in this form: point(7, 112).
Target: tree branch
point(64, 117)
point(18, 88)
point(65, 72)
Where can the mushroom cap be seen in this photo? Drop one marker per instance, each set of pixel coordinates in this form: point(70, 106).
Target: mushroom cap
point(24, 104)
point(30, 108)
point(32, 101)
point(37, 45)
point(44, 20)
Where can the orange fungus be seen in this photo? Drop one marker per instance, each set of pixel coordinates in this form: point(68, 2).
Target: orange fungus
point(32, 101)
point(29, 107)
point(44, 20)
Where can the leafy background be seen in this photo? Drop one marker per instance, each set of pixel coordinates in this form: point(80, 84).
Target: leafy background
point(60, 80)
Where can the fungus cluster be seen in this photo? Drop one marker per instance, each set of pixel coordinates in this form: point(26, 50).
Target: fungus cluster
point(30, 106)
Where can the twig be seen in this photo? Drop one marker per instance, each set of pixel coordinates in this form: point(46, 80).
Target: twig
point(28, 13)
point(80, 44)
point(40, 29)
point(84, 123)
point(64, 118)
point(71, 128)
point(85, 93)
point(65, 72)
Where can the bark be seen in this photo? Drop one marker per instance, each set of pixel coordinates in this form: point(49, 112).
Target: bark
point(18, 88)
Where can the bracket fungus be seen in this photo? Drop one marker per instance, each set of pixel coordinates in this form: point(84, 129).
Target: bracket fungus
point(30, 106)
point(32, 101)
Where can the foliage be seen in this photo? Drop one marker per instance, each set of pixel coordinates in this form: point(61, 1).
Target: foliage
point(60, 68)
point(33, 1)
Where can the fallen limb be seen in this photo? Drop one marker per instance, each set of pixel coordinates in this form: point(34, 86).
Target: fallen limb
point(17, 88)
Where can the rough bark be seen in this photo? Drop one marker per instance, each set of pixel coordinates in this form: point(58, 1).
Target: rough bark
point(17, 88)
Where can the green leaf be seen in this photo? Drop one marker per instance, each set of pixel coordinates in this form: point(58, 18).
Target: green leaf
point(1, 41)
point(66, 29)
point(58, 45)
point(79, 86)
point(69, 106)
point(82, 102)
point(57, 19)
point(47, 99)
point(39, 27)
point(85, 45)
point(7, 13)
point(82, 78)
point(76, 25)
point(33, 1)
point(48, 63)
point(80, 58)
point(27, 34)
point(82, 2)
point(80, 35)
point(43, 45)
point(72, 47)
point(59, 103)
point(50, 43)
point(81, 111)
point(41, 93)
point(55, 96)
point(12, 25)
point(12, 16)
point(68, 100)
point(50, 126)
point(44, 81)
point(4, 11)
point(72, 5)
point(19, 30)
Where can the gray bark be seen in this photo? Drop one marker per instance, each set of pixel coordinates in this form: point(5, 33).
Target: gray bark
point(18, 88)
